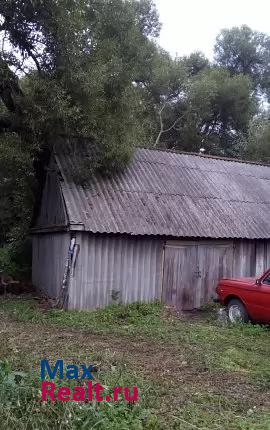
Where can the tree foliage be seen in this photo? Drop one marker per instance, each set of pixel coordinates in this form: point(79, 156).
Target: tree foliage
point(242, 50)
point(256, 145)
point(80, 58)
point(195, 104)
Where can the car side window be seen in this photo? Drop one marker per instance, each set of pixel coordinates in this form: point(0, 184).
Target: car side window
point(266, 281)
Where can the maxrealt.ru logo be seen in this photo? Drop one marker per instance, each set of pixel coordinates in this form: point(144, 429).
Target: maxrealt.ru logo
point(87, 391)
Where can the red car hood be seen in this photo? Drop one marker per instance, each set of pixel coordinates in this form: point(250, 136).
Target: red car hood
point(239, 282)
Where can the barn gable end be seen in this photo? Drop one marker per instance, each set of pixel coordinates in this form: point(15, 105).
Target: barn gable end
point(52, 214)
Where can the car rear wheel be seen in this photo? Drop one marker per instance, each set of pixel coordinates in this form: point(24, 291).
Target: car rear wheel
point(237, 311)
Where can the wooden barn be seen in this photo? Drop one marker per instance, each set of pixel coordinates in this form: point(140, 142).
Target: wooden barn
point(168, 227)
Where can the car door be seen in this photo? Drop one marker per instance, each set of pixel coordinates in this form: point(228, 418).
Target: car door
point(263, 299)
point(256, 297)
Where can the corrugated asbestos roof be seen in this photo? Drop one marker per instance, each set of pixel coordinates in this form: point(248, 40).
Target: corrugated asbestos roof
point(173, 194)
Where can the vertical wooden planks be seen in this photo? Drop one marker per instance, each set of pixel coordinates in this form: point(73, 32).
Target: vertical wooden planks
point(192, 270)
point(180, 283)
point(261, 257)
point(215, 262)
point(50, 251)
point(114, 269)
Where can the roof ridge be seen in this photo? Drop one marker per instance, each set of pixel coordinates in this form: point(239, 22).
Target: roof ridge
point(202, 170)
point(215, 157)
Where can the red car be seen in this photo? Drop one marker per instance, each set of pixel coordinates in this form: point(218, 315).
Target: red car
point(246, 299)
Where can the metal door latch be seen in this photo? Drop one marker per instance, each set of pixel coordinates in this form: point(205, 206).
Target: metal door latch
point(198, 274)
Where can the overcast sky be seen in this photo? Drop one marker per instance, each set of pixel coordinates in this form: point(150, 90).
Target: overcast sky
point(192, 25)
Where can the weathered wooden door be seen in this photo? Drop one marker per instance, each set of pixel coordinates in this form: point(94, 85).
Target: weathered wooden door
point(191, 271)
point(215, 261)
point(180, 279)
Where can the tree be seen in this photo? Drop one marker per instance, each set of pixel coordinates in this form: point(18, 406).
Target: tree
point(167, 88)
point(199, 106)
point(224, 107)
point(195, 63)
point(16, 202)
point(242, 50)
point(161, 89)
point(256, 145)
point(80, 59)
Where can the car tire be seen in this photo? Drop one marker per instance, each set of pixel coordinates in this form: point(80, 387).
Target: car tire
point(237, 312)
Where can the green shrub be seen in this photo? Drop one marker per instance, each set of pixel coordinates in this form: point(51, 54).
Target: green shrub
point(15, 258)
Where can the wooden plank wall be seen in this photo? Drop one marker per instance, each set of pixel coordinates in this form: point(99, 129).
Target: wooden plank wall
point(115, 269)
point(251, 257)
point(133, 267)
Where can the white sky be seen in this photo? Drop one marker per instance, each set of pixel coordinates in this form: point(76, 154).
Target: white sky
point(192, 25)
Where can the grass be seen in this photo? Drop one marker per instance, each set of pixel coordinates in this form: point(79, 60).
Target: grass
point(192, 373)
